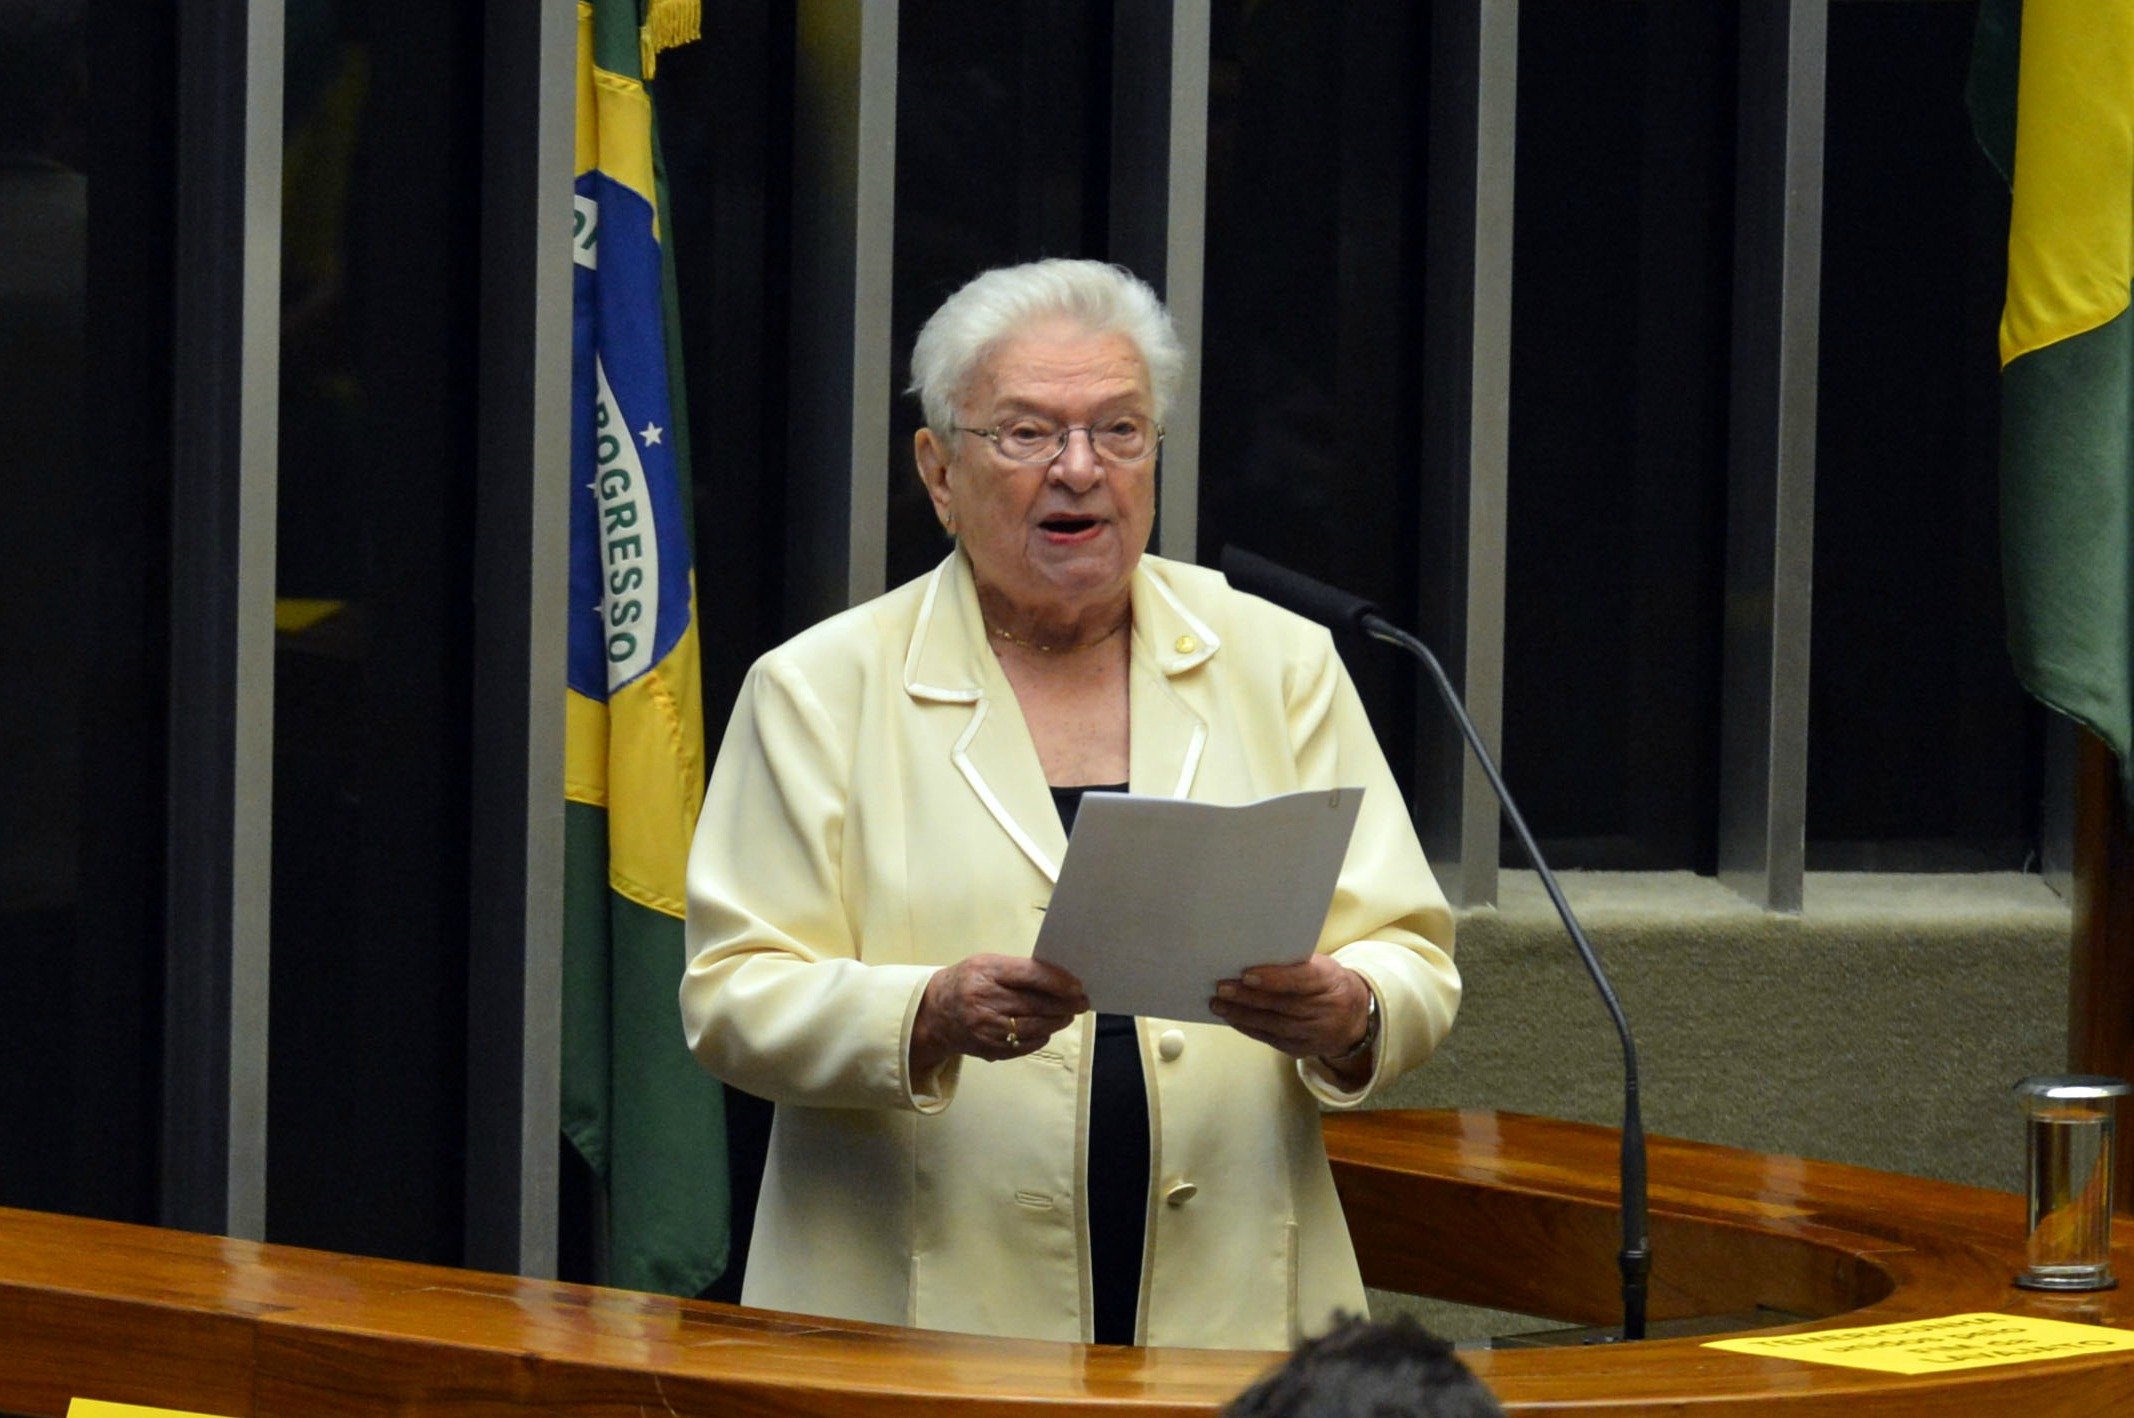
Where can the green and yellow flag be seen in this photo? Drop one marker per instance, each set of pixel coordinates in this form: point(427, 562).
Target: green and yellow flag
point(635, 1104)
point(2052, 97)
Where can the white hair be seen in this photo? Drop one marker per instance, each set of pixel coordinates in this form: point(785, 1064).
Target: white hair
point(996, 304)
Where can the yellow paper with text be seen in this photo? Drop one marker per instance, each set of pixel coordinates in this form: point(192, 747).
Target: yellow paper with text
point(97, 1408)
point(1938, 1346)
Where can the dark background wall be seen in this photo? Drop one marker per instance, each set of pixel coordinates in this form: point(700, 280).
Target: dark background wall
point(374, 719)
point(86, 217)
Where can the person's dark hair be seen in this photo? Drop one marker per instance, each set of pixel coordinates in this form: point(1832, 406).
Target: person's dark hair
point(1362, 1369)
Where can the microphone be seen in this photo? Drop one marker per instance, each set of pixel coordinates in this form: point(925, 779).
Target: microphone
point(1341, 610)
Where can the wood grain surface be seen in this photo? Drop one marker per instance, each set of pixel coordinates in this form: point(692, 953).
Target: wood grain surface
point(1484, 1207)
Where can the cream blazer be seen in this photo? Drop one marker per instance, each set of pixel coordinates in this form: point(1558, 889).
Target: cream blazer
point(877, 811)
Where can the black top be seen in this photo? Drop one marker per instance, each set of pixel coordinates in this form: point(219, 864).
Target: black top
point(1118, 1182)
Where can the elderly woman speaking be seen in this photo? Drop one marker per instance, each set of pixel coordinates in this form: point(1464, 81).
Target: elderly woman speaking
point(958, 1143)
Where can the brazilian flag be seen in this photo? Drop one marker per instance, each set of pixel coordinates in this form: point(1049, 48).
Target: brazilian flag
point(2052, 99)
point(635, 1104)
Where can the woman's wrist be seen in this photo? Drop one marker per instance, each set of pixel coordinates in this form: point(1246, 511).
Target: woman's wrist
point(1347, 1060)
point(929, 1050)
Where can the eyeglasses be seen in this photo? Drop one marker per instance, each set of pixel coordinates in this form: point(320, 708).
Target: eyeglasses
point(1128, 439)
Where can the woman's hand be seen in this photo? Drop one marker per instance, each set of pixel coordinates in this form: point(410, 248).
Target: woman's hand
point(1316, 1008)
point(992, 1007)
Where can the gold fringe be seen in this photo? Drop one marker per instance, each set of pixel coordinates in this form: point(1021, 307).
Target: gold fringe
point(667, 24)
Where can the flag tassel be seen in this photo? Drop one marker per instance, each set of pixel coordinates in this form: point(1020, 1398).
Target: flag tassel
point(668, 23)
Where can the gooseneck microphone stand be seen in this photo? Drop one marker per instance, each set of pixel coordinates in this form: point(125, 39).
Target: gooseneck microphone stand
point(1325, 604)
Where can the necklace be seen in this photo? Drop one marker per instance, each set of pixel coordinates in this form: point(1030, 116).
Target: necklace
point(1014, 639)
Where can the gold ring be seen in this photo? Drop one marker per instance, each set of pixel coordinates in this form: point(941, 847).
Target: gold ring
point(1012, 1040)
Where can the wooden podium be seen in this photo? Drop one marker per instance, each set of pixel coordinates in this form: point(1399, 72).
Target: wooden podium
point(1486, 1208)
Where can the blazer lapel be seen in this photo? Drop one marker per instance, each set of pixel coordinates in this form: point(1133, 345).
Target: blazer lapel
point(1167, 734)
point(949, 664)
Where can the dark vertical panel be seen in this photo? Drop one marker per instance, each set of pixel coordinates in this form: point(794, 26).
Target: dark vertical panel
point(1618, 442)
point(1919, 751)
point(86, 220)
point(1308, 446)
point(376, 714)
point(844, 171)
point(1130, 184)
point(1136, 178)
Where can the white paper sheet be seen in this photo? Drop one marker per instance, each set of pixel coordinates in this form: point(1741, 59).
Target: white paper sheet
point(1159, 898)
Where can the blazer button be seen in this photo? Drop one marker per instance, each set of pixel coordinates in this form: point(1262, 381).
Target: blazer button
point(1180, 1194)
point(1170, 1044)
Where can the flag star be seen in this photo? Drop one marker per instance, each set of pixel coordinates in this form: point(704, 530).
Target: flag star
point(650, 433)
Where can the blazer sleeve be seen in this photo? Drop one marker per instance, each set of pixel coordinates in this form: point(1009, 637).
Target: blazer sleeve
point(775, 996)
point(1389, 921)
